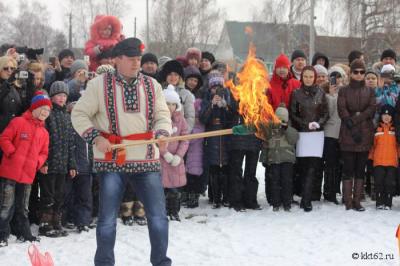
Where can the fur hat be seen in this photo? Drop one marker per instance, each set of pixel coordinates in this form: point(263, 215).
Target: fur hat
point(389, 53)
point(209, 56)
point(282, 61)
point(297, 54)
point(40, 99)
point(169, 67)
point(78, 64)
point(58, 87)
point(193, 52)
point(171, 96)
point(215, 78)
point(358, 63)
point(101, 22)
point(337, 69)
point(282, 113)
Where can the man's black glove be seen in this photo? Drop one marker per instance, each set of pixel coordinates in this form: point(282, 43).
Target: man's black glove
point(348, 123)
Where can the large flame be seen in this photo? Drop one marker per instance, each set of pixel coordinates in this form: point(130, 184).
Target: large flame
point(251, 93)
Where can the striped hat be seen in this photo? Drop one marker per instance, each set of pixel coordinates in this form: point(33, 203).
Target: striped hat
point(40, 99)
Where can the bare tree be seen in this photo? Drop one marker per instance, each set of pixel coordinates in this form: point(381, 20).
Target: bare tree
point(84, 12)
point(179, 24)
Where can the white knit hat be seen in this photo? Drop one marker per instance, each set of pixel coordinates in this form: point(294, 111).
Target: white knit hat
point(171, 96)
point(320, 69)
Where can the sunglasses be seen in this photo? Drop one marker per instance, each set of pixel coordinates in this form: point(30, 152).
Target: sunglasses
point(356, 72)
point(8, 68)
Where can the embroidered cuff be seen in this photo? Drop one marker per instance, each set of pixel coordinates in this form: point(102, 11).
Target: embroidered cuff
point(90, 134)
point(161, 132)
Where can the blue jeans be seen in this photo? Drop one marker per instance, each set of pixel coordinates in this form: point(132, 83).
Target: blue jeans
point(149, 189)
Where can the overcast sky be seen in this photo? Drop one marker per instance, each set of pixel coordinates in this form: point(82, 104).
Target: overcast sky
point(240, 10)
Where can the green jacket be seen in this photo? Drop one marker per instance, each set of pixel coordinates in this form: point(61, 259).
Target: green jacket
point(280, 145)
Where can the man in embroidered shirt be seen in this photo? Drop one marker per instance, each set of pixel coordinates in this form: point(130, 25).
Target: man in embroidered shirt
point(117, 108)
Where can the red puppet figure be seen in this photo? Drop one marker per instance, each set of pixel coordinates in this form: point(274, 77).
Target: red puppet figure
point(104, 34)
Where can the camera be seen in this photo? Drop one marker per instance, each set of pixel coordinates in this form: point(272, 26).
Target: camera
point(22, 74)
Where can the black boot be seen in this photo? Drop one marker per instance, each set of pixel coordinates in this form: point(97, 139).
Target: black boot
point(388, 201)
point(175, 207)
point(329, 189)
point(380, 202)
point(307, 190)
point(216, 190)
point(250, 194)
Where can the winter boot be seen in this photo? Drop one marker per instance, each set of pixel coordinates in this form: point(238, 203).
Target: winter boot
point(139, 214)
point(57, 224)
point(308, 185)
point(380, 201)
point(329, 189)
point(46, 225)
point(126, 213)
point(175, 207)
point(184, 198)
point(193, 200)
point(388, 201)
point(348, 193)
point(250, 194)
point(358, 192)
point(216, 190)
point(29, 238)
point(83, 228)
point(317, 183)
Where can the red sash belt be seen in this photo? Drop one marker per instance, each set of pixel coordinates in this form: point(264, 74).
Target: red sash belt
point(121, 153)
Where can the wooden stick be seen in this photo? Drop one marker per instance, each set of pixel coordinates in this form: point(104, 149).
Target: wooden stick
point(208, 134)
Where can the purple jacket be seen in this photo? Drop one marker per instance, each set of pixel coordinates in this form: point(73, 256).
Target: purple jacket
point(194, 157)
point(174, 177)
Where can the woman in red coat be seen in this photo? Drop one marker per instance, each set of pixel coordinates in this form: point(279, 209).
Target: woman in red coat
point(24, 143)
point(104, 34)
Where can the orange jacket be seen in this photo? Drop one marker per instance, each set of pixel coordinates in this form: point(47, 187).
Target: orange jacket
point(385, 150)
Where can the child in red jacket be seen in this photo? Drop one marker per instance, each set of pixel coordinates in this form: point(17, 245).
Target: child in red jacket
point(384, 155)
point(104, 34)
point(25, 144)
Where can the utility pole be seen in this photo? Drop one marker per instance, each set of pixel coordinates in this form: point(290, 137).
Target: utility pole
point(134, 35)
point(70, 31)
point(312, 30)
point(147, 23)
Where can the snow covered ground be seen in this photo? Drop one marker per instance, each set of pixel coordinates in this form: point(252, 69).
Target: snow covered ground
point(328, 235)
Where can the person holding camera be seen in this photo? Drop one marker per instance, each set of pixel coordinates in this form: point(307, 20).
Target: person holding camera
point(356, 108)
point(10, 99)
point(59, 68)
point(80, 76)
point(215, 114)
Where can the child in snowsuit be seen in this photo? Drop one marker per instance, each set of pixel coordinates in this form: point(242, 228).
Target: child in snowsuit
point(172, 164)
point(385, 156)
point(24, 144)
point(61, 162)
point(105, 33)
point(279, 154)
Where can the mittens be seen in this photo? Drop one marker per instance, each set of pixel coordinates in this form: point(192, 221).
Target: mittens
point(313, 126)
point(168, 157)
point(176, 160)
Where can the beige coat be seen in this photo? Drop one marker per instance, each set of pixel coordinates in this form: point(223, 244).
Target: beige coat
point(112, 106)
